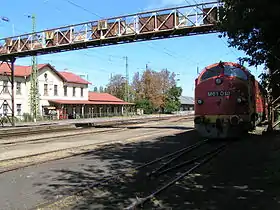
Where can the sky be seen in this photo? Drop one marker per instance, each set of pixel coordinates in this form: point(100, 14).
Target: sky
point(180, 55)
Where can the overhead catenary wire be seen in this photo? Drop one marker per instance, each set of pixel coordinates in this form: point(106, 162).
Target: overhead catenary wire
point(83, 8)
point(93, 13)
point(165, 51)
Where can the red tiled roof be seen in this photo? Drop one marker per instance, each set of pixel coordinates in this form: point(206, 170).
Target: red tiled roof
point(73, 78)
point(93, 96)
point(70, 101)
point(25, 71)
point(20, 71)
point(89, 102)
point(95, 99)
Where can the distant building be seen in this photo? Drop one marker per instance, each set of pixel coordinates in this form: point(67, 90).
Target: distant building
point(63, 94)
point(187, 103)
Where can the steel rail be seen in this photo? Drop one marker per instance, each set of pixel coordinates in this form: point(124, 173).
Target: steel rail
point(118, 175)
point(187, 162)
point(141, 201)
point(82, 131)
point(181, 153)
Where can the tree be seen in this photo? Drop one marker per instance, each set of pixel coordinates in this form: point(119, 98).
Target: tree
point(101, 89)
point(172, 102)
point(137, 87)
point(146, 105)
point(152, 87)
point(250, 26)
point(95, 89)
point(116, 86)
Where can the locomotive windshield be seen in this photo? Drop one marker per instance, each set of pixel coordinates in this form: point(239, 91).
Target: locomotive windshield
point(212, 72)
point(233, 71)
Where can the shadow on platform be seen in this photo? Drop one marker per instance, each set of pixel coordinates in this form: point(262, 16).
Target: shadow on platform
point(240, 178)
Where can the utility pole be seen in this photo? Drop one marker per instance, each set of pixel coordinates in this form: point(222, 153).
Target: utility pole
point(126, 84)
point(34, 89)
point(127, 79)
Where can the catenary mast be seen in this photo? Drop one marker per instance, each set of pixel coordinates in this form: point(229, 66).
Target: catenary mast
point(34, 89)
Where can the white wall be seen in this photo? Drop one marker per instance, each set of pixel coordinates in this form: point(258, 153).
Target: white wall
point(52, 79)
point(20, 97)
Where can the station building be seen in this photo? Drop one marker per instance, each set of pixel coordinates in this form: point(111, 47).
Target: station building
point(63, 94)
point(187, 103)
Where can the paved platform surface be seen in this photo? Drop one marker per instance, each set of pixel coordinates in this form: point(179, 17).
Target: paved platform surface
point(20, 125)
point(52, 144)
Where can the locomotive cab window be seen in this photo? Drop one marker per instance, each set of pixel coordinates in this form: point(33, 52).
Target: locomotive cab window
point(212, 72)
point(235, 72)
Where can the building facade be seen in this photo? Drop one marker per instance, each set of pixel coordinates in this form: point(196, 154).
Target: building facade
point(62, 94)
point(187, 103)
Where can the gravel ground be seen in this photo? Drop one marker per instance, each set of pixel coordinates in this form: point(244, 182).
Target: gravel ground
point(245, 176)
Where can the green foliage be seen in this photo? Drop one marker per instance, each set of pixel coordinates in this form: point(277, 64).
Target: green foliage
point(146, 105)
point(151, 91)
point(95, 89)
point(172, 102)
point(101, 89)
point(116, 86)
point(6, 119)
point(250, 26)
point(27, 117)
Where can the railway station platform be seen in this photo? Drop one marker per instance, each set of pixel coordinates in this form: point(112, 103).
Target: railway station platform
point(88, 122)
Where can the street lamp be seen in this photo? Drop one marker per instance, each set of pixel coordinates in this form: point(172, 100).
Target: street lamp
point(5, 19)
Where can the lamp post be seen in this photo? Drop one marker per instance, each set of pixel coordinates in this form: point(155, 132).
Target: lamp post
point(5, 19)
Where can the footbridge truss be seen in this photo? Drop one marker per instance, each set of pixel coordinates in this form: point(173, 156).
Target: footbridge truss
point(150, 25)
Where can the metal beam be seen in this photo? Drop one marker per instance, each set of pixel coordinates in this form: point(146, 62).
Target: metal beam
point(150, 25)
point(5, 104)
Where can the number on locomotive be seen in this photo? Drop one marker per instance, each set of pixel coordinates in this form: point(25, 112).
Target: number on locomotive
point(218, 93)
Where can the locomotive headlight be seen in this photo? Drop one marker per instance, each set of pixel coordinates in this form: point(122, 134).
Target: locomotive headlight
point(199, 101)
point(239, 100)
point(218, 81)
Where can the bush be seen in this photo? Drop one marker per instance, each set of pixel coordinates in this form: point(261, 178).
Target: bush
point(27, 117)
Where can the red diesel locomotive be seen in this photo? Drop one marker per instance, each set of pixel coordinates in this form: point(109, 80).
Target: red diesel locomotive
point(228, 101)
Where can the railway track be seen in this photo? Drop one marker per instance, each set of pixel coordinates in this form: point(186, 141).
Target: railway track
point(176, 164)
point(77, 132)
point(16, 163)
point(150, 174)
point(73, 133)
point(4, 134)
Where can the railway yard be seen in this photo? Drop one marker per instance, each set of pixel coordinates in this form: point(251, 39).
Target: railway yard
point(72, 157)
point(142, 164)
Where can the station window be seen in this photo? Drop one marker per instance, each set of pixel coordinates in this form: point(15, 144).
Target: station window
point(5, 87)
point(74, 91)
point(235, 72)
point(45, 89)
point(5, 109)
point(55, 90)
point(82, 92)
point(65, 90)
point(18, 109)
point(212, 72)
point(18, 91)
